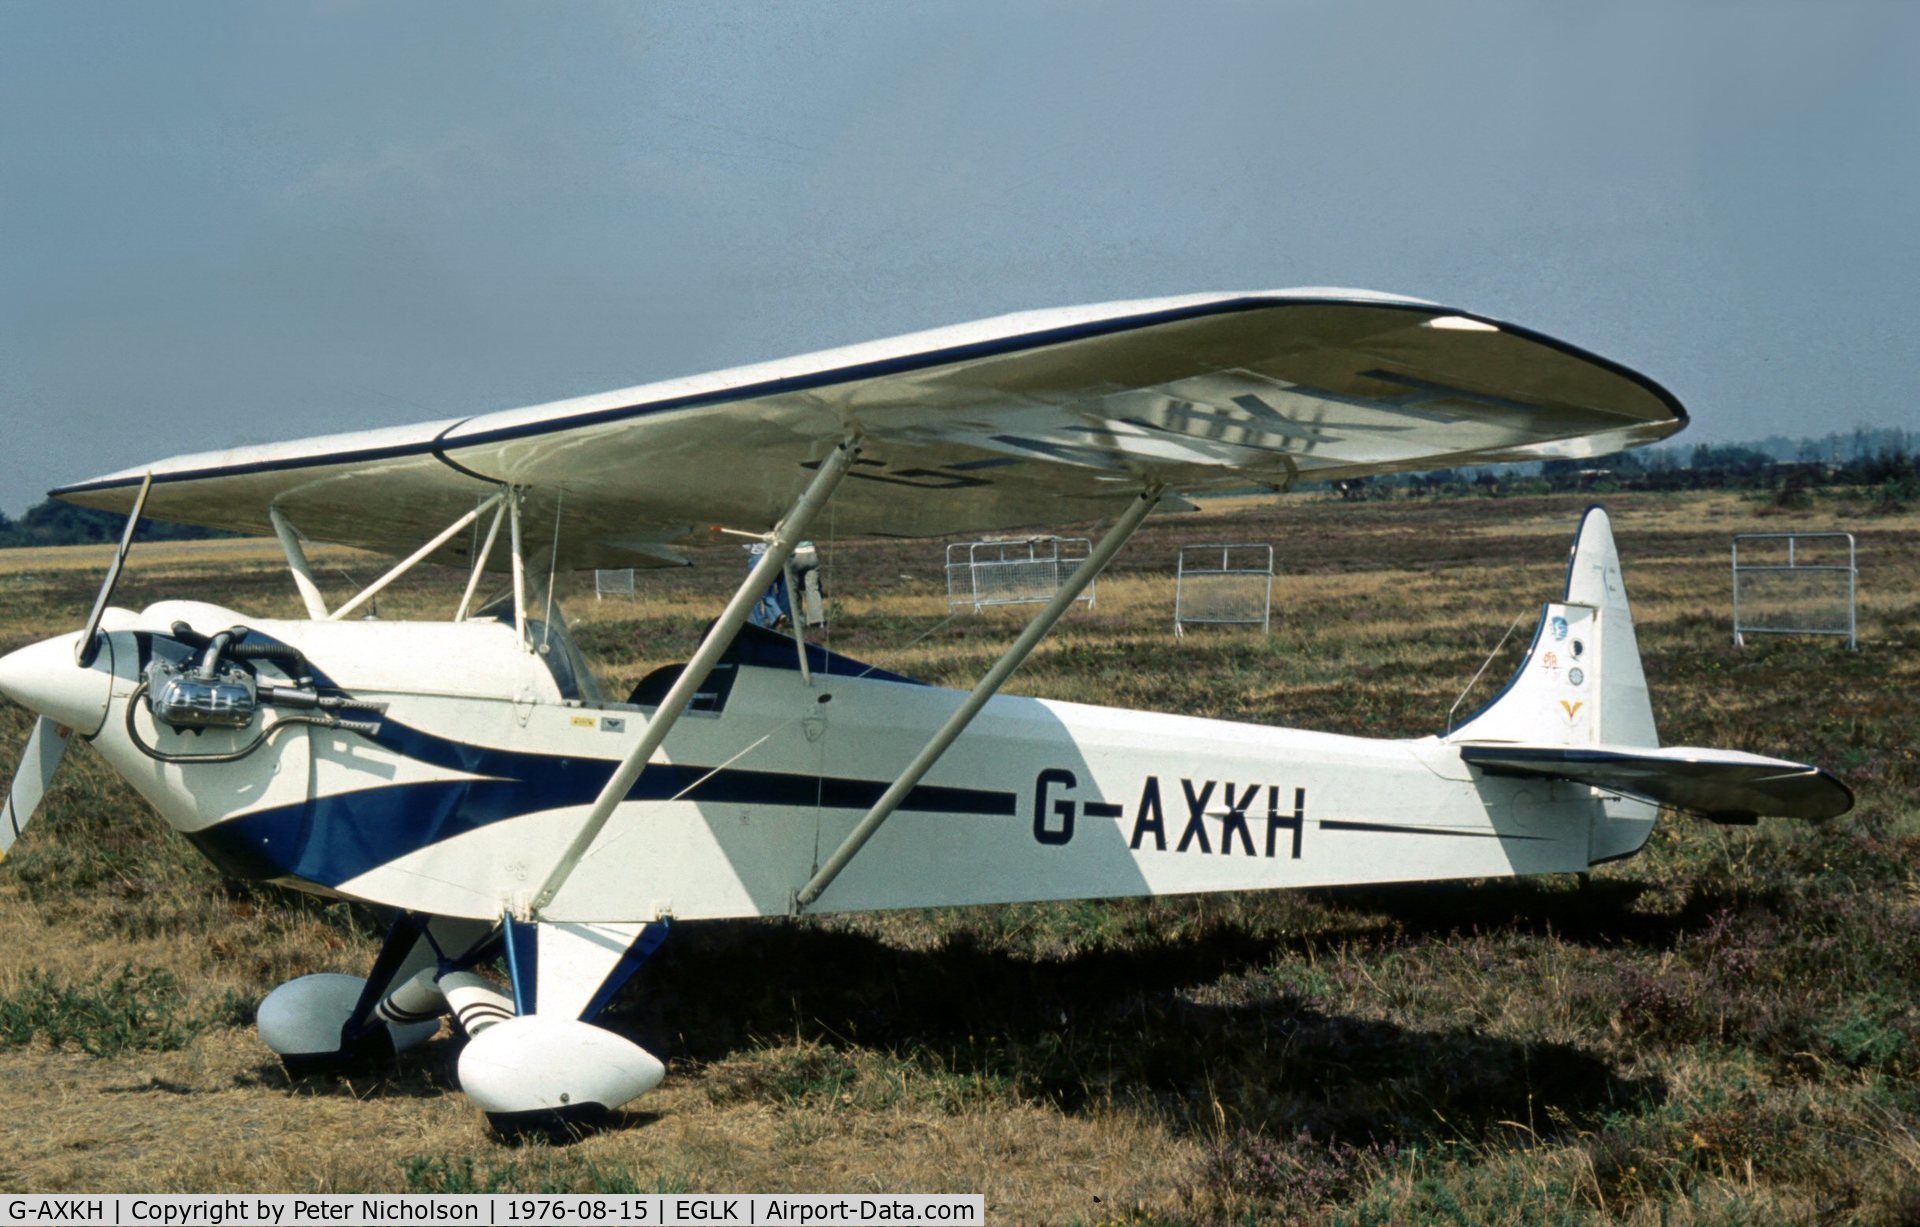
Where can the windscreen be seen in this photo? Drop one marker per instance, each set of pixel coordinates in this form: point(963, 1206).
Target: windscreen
point(554, 645)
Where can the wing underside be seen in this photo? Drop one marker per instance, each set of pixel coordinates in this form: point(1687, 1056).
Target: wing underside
point(1040, 419)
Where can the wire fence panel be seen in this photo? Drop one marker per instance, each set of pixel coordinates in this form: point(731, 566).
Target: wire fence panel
point(1223, 585)
point(1795, 584)
point(1022, 571)
point(613, 583)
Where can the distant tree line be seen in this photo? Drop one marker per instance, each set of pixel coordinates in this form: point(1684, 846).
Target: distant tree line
point(54, 523)
point(1882, 466)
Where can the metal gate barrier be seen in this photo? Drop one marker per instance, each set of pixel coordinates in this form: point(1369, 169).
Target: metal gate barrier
point(1013, 571)
point(613, 583)
point(1795, 597)
point(1223, 585)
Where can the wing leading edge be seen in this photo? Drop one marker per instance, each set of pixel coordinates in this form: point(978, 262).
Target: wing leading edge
point(1041, 418)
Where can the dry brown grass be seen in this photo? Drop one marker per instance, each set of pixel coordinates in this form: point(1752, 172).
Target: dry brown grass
point(1711, 1032)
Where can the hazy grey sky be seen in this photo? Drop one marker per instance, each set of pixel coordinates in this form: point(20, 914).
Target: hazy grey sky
point(225, 223)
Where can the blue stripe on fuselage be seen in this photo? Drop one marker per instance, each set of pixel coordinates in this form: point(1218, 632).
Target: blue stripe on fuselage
point(332, 839)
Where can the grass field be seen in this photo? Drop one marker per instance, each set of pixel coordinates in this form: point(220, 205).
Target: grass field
point(1725, 1029)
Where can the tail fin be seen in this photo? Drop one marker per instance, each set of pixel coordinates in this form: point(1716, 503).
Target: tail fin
point(1581, 682)
point(1577, 709)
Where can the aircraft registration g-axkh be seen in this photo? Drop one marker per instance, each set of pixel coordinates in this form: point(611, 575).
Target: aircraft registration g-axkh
point(469, 777)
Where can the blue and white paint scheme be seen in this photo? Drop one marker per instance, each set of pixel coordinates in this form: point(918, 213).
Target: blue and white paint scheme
point(468, 776)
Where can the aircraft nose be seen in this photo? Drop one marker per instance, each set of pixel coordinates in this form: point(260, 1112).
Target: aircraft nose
point(42, 678)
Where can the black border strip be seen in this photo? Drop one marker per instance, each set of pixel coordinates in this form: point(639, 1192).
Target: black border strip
point(1392, 828)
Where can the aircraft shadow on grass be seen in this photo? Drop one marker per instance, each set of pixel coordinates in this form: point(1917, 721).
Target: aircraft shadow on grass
point(1600, 915)
point(1104, 1026)
point(1117, 1026)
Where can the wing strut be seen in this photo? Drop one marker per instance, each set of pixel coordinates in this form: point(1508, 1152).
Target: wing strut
point(780, 546)
point(87, 646)
point(988, 686)
point(412, 560)
point(297, 563)
point(480, 564)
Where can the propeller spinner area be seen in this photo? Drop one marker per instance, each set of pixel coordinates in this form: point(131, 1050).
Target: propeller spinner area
point(66, 699)
point(67, 683)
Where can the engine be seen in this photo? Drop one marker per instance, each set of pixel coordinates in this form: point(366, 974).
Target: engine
point(195, 682)
point(185, 699)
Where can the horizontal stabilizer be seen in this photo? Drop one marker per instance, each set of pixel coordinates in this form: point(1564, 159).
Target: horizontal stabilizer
point(1722, 785)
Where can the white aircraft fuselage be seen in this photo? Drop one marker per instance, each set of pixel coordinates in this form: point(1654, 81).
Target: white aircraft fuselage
point(481, 772)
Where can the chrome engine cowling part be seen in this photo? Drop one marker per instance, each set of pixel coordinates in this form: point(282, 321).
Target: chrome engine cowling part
point(180, 698)
point(194, 683)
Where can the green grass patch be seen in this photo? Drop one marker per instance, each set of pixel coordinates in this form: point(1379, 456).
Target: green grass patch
point(132, 1010)
point(819, 1075)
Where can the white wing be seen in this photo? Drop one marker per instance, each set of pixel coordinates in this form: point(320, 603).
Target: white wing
point(1047, 417)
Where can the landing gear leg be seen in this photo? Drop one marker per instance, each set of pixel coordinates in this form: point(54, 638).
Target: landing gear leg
point(548, 1071)
point(332, 1024)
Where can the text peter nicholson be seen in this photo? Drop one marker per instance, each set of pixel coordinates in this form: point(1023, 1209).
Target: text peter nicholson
point(493, 1209)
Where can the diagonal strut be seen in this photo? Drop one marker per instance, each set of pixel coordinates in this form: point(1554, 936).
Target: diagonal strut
point(988, 686)
point(780, 547)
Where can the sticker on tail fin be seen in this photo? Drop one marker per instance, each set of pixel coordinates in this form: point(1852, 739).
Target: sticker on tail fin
point(1581, 682)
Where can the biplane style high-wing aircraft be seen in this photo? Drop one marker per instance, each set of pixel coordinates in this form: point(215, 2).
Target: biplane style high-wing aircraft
point(470, 777)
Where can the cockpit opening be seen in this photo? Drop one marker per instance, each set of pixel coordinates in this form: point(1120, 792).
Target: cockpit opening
point(550, 640)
